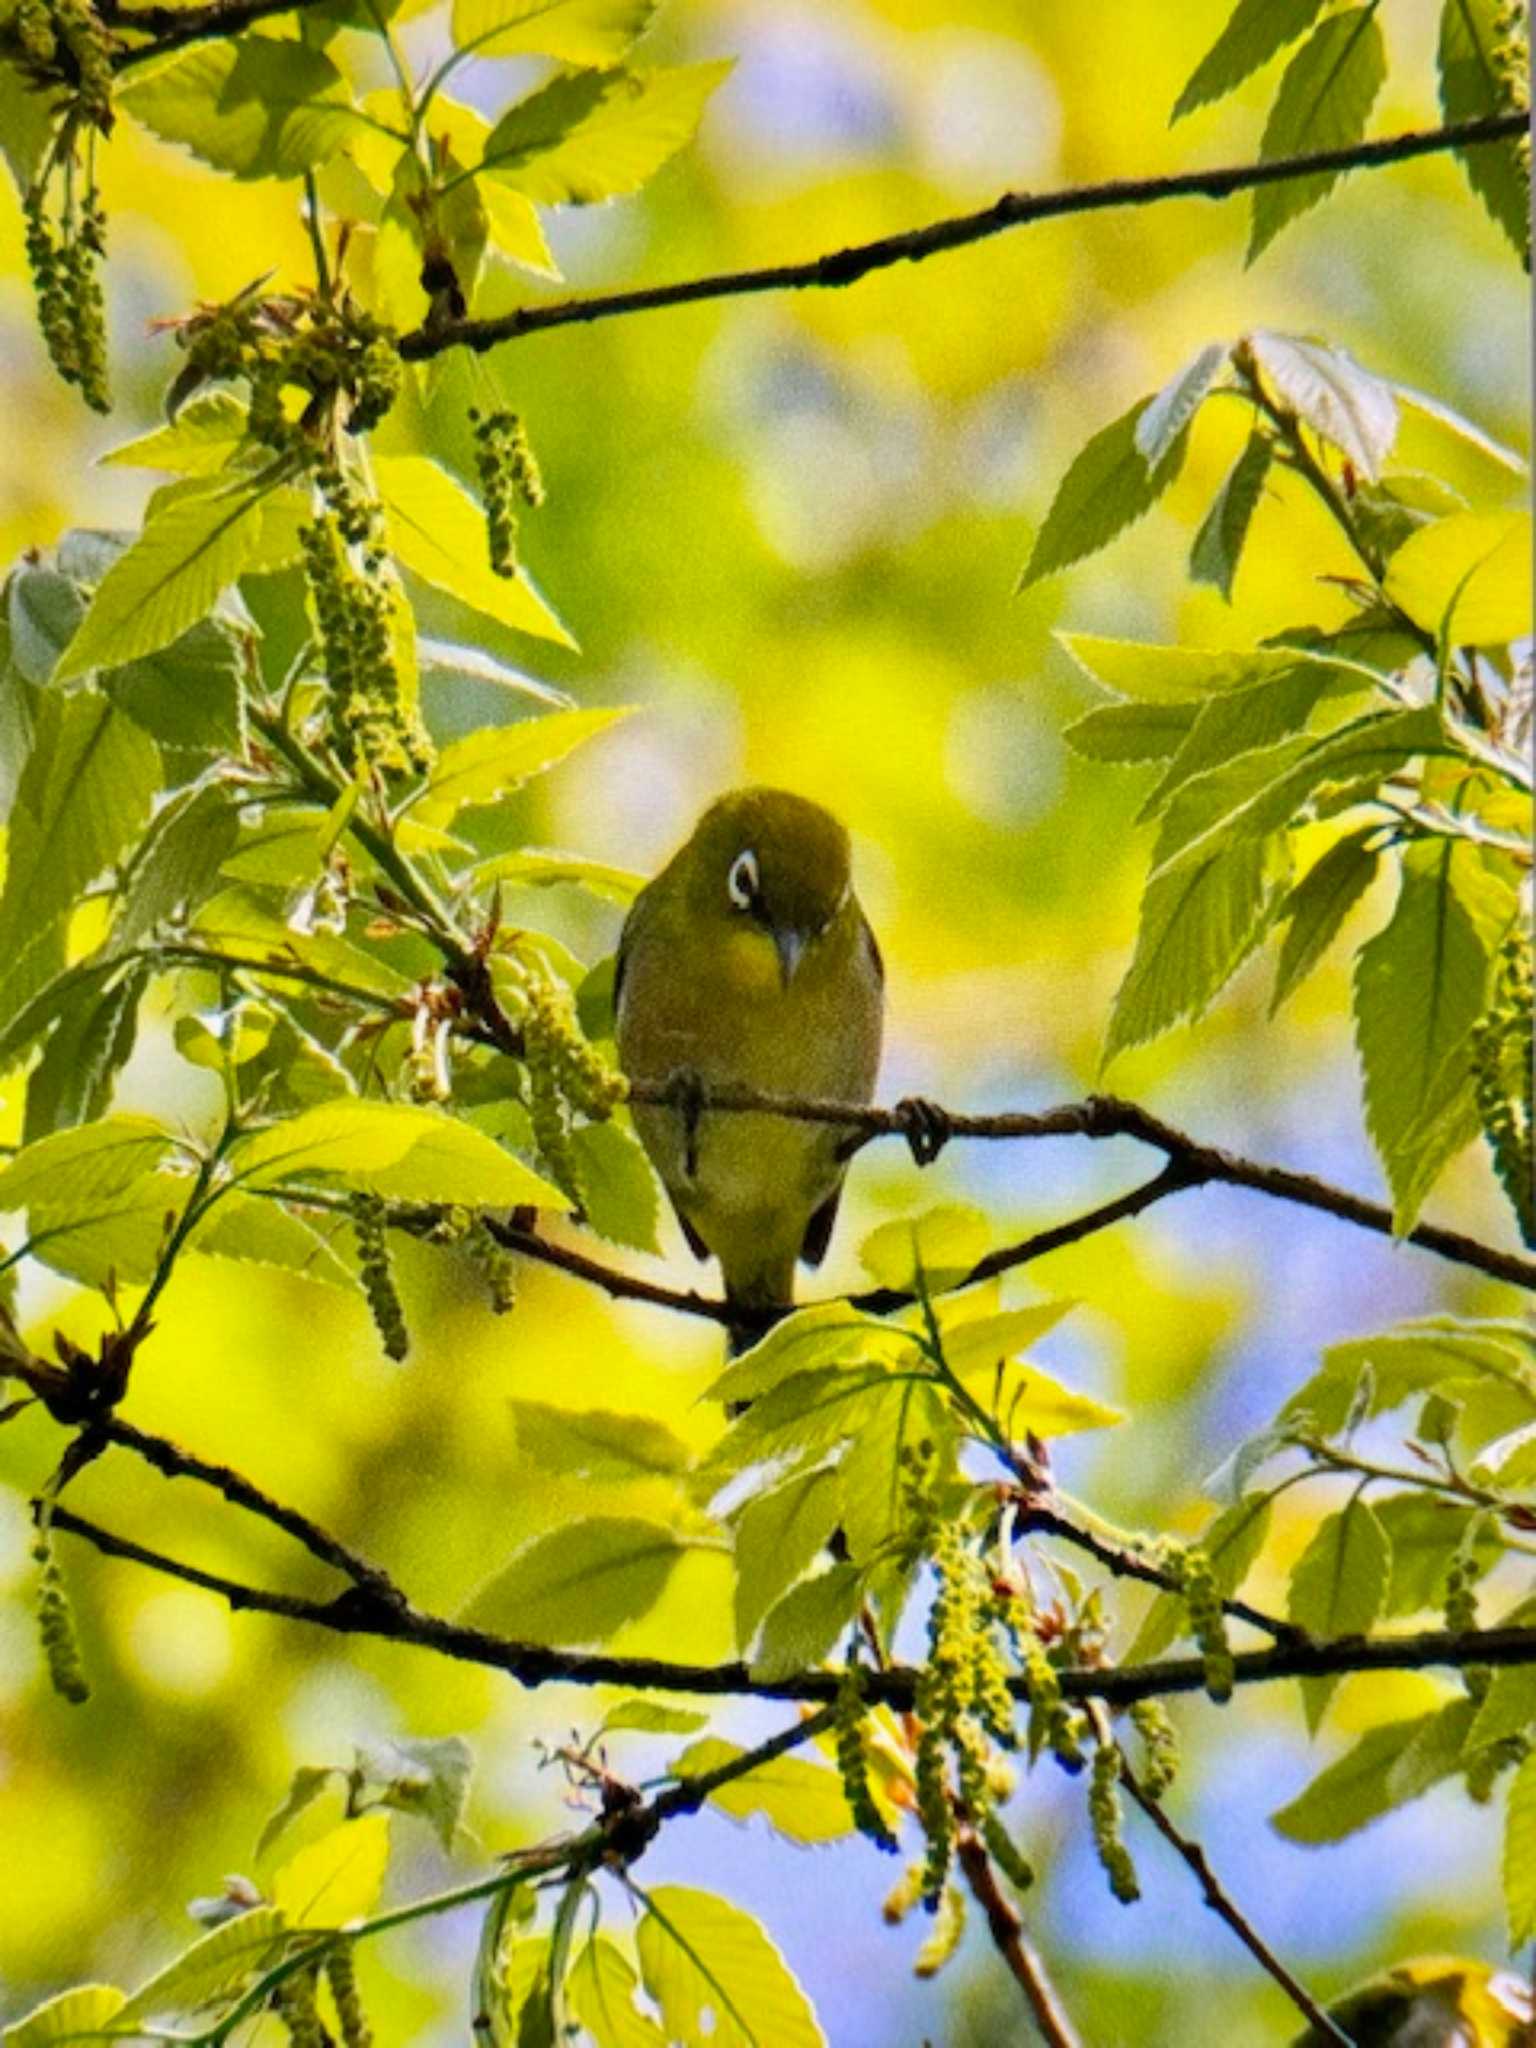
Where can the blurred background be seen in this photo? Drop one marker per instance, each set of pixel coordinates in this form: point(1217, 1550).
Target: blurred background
point(788, 531)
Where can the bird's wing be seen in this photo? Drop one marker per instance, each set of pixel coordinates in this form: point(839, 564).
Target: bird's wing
point(818, 1232)
point(875, 957)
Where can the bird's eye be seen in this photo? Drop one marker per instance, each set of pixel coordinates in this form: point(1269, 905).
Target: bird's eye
point(742, 881)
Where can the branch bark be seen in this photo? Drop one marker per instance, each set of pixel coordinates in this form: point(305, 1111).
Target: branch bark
point(1007, 1932)
point(841, 267)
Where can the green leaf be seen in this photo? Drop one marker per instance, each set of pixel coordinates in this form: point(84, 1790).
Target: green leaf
point(575, 31)
point(73, 1081)
point(401, 1150)
point(1131, 732)
point(1424, 1531)
point(213, 1969)
point(84, 797)
point(73, 2016)
point(1223, 533)
point(535, 867)
point(199, 538)
point(1520, 1855)
point(198, 442)
point(177, 861)
point(1326, 388)
point(437, 531)
point(873, 1502)
point(803, 1802)
point(802, 1627)
point(428, 1777)
point(699, 1954)
point(1508, 1707)
point(597, 1443)
point(1358, 1787)
point(601, 1987)
point(265, 1234)
point(1107, 488)
point(1338, 1585)
point(650, 1717)
point(1232, 1543)
point(304, 1788)
point(71, 1171)
point(580, 1583)
point(252, 105)
point(826, 1333)
point(1324, 101)
point(43, 609)
point(1257, 30)
point(1372, 1375)
point(937, 1249)
point(26, 126)
point(778, 1535)
point(1238, 722)
point(591, 135)
point(1170, 412)
point(1419, 988)
point(1200, 919)
point(1315, 910)
point(797, 1420)
point(1466, 578)
point(487, 765)
point(440, 661)
point(1156, 674)
point(1471, 87)
point(339, 1877)
point(618, 1190)
point(187, 696)
point(1458, 424)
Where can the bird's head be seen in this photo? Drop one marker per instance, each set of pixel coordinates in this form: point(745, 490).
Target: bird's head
point(773, 861)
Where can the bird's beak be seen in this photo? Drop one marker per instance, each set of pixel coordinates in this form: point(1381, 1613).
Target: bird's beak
point(790, 945)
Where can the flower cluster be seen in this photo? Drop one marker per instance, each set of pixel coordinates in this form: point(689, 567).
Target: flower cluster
point(64, 253)
point(356, 606)
point(1160, 1742)
point(377, 1273)
point(1105, 1819)
point(509, 474)
point(341, 1975)
point(567, 1076)
point(56, 1625)
point(314, 366)
point(64, 43)
point(1503, 1058)
point(1190, 1573)
point(853, 1762)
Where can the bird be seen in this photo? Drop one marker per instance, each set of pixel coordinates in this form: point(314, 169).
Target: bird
point(748, 962)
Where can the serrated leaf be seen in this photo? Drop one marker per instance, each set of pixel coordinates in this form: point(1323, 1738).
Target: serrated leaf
point(597, 1443)
point(699, 1954)
point(801, 1629)
point(797, 1420)
point(1199, 921)
point(73, 1170)
point(873, 1501)
point(1107, 488)
point(73, 2016)
point(338, 1878)
point(652, 1717)
point(825, 1333)
point(1424, 1532)
point(936, 1249)
point(1152, 673)
point(396, 1149)
point(187, 696)
point(1467, 578)
point(487, 765)
point(1520, 1854)
point(536, 867)
point(251, 105)
point(216, 1967)
point(1239, 722)
point(1470, 88)
point(1130, 732)
point(1169, 413)
point(1508, 1707)
point(777, 1536)
point(1324, 101)
point(437, 530)
point(304, 1788)
point(1256, 31)
point(620, 1198)
point(592, 135)
point(176, 863)
point(200, 537)
point(1348, 406)
point(580, 1583)
point(43, 609)
point(425, 1776)
point(1355, 1789)
point(26, 126)
point(442, 661)
point(73, 1081)
point(198, 442)
point(575, 31)
point(1375, 1374)
point(1419, 987)
point(1458, 423)
point(1315, 910)
point(601, 1987)
point(1223, 532)
point(803, 1802)
point(1338, 1585)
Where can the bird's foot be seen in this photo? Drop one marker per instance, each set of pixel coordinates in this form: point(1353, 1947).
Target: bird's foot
point(926, 1127)
point(686, 1093)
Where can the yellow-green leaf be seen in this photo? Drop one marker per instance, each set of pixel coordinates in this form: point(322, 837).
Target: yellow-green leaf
point(575, 31)
point(580, 1583)
point(941, 1246)
point(255, 106)
point(1468, 576)
point(215, 1967)
point(601, 1987)
point(398, 1149)
point(487, 765)
point(699, 1954)
point(591, 135)
point(73, 2016)
point(1520, 1855)
point(338, 1878)
point(803, 1802)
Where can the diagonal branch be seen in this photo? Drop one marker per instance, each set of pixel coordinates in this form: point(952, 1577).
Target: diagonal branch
point(172, 28)
point(1014, 209)
point(359, 1612)
point(1007, 1932)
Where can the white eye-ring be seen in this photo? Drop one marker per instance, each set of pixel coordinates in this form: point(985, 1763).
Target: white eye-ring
point(742, 881)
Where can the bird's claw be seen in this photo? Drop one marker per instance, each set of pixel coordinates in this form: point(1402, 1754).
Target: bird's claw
point(687, 1095)
point(925, 1126)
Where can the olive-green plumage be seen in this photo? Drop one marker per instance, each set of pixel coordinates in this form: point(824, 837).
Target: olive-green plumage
point(749, 962)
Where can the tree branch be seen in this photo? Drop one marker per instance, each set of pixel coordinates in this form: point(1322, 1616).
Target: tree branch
point(172, 28)
point(359, 1612)
point(1007, 1932)
point(1225, 1908)
point(841, 267)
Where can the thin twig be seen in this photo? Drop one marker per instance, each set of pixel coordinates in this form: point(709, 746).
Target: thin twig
point(1014, 209)
point(359, 1612)
point(1222, 1904)
point(1007, 1932)
point(172, 28)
